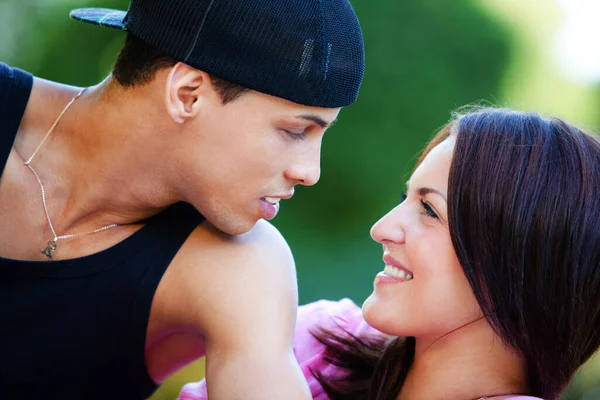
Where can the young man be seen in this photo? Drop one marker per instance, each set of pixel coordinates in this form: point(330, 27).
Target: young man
point(133, 238)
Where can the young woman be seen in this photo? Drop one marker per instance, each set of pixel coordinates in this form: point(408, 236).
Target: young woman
point(491, 284)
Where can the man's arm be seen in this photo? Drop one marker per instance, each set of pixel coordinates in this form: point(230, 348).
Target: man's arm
point(340, 317)
point(241, 294)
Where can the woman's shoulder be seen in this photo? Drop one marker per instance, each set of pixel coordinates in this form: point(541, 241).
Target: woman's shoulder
point(336, 316)
point(339, 317)
point(342, 316)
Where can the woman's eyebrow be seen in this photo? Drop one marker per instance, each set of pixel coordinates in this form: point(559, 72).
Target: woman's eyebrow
point(426, 190)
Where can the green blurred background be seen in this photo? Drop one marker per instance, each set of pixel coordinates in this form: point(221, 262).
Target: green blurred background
point(424, 59)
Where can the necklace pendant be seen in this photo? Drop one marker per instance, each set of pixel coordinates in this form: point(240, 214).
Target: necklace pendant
point(47, 251)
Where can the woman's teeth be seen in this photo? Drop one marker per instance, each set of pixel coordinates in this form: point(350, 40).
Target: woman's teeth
point(390, 270)
point(272, 200)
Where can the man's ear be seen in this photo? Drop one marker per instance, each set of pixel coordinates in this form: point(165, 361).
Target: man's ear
point(187, 89)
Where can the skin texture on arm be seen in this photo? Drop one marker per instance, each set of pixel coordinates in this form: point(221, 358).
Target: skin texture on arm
point(342, 317)
point(240, 292)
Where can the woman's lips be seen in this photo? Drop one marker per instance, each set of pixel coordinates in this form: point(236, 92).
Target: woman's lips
point(393, 272)
point(389, 260)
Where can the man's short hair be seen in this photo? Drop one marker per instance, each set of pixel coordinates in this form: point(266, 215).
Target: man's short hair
point(138, 62)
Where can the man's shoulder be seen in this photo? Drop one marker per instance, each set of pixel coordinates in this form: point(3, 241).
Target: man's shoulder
point(259, 253)
point(263, 240)
point(217, 272)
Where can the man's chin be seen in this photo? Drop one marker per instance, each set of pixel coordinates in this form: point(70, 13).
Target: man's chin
point(235, 228)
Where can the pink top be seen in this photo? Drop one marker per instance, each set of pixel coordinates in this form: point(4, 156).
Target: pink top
point(339, 316)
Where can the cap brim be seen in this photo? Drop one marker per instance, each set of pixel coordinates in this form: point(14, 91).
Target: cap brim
point(100, 16)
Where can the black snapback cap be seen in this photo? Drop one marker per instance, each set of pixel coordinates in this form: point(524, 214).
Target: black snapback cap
point(310, 52)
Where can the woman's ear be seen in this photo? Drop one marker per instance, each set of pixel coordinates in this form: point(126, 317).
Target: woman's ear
point(186, 90)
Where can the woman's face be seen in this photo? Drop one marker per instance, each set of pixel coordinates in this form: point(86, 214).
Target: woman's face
point(422, 290)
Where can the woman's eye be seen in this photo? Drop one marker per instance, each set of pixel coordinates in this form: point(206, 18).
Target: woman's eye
point(428, 210)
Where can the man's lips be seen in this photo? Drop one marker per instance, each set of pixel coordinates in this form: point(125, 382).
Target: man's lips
point(269, 208)
point(276, 197)
point(270, 204)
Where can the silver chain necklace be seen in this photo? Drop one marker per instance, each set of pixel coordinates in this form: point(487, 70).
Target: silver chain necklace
point(52, 243)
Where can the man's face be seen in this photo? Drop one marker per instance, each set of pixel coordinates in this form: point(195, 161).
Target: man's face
point(238, 160)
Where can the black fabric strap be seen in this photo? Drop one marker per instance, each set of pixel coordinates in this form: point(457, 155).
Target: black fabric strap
point(15, 89)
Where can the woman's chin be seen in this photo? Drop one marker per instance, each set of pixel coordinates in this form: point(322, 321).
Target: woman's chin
point(381, 316)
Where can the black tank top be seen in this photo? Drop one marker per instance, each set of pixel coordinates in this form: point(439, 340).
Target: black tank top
point(76, 329)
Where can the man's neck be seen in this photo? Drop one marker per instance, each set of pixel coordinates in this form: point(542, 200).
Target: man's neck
point(100, 165)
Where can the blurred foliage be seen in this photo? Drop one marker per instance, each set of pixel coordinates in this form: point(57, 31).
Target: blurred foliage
point(424, 59)
point(534, 79)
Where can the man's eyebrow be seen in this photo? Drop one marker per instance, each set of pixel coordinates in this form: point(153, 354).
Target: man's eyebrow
point(317, 120)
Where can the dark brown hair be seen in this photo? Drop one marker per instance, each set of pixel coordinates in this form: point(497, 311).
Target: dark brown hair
point(138, 63)
point(524, 219)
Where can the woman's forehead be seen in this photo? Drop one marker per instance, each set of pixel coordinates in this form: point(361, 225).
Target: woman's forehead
point(434, 169)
